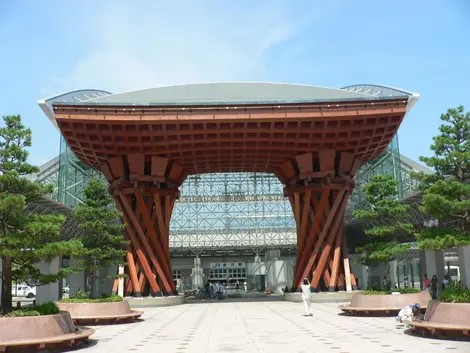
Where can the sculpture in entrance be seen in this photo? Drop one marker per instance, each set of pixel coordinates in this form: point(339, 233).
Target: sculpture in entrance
point(313, 139)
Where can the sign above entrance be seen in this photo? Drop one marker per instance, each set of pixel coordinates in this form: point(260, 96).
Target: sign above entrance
point(228, 265)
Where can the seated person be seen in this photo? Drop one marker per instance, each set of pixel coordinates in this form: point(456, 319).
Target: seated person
point(407, 314)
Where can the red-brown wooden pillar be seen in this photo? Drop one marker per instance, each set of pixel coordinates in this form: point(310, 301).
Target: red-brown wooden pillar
point(318, 187)
point(145, 189)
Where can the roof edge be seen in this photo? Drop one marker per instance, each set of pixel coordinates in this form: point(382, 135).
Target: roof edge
point(46, 103)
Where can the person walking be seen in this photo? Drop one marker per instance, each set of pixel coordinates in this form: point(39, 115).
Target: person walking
point(426, 283)
point(307, 297)
point(207, 291)
point(434, 282)
point(212, 290)
point(445, 282)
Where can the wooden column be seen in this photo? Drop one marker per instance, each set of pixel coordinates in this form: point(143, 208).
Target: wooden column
point(145, 190)
point(318, 187)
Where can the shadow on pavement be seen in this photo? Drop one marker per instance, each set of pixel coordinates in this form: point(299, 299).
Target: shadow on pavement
point(428, 336)
point(271, 298)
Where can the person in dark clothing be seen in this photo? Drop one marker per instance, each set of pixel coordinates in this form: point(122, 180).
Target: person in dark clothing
point(434, 283)
point(207, 291)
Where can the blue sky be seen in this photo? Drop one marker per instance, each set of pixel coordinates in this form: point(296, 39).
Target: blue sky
point(53, 46)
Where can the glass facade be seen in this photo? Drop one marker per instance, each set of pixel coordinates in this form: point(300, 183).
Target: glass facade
point(73, 176)
point(387, 163)
point(232, 211)
point(228, 210)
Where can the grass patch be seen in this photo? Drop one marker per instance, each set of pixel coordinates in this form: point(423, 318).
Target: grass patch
point(40, 310)
point(455, 295)
point(110, 299)
point(399, 290)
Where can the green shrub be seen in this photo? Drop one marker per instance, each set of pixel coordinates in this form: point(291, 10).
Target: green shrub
point(44, 309)
point(455, 294)
point(109, 299)
point(374, 292)
point(81, 294)
point(399, 290)
point(407, 290)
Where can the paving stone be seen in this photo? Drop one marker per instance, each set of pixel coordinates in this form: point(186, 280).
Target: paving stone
point(260, 327)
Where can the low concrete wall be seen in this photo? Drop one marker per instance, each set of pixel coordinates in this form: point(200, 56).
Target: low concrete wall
point(153, 302)
point(334, 297)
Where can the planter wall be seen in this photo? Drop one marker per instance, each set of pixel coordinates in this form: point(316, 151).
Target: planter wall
point(395, 301)
point(100, 312)
point(387, 304)
point(445, 319)
point(40, 330)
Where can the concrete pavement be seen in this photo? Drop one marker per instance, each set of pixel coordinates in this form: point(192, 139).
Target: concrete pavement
point(260, 327)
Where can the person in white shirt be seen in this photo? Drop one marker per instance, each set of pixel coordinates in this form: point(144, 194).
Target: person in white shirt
point(246, 286)
point(445, 282)
point(307, 297)
point(406, 314)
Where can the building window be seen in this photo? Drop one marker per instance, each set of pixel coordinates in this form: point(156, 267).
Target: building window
point(177, 274)
point(224, 273)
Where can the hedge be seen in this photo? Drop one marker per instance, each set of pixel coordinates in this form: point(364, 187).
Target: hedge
point(455, 295)
point(398, 290)
point(44, 309)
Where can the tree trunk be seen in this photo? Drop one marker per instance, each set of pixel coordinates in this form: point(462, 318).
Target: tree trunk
point(7, 298)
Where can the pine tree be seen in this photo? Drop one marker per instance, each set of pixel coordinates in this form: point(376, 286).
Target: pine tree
point(103, 240)
point(25, 239)
point(447, 192)
point(387, 232)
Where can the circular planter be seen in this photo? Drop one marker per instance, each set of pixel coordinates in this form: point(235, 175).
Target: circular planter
point(384, 304)
point(47, 331)
point(445, 320)
point(100, 313)
point(155, 301)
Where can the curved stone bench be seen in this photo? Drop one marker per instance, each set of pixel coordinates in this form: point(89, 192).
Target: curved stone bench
point(383, 305)
point(445, 319)
point(100, 313)
point(40, 332)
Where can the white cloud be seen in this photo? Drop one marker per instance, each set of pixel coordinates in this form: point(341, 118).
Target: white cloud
point(134, 48)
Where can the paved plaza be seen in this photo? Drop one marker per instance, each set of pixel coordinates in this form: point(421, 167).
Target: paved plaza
point(260, 327)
